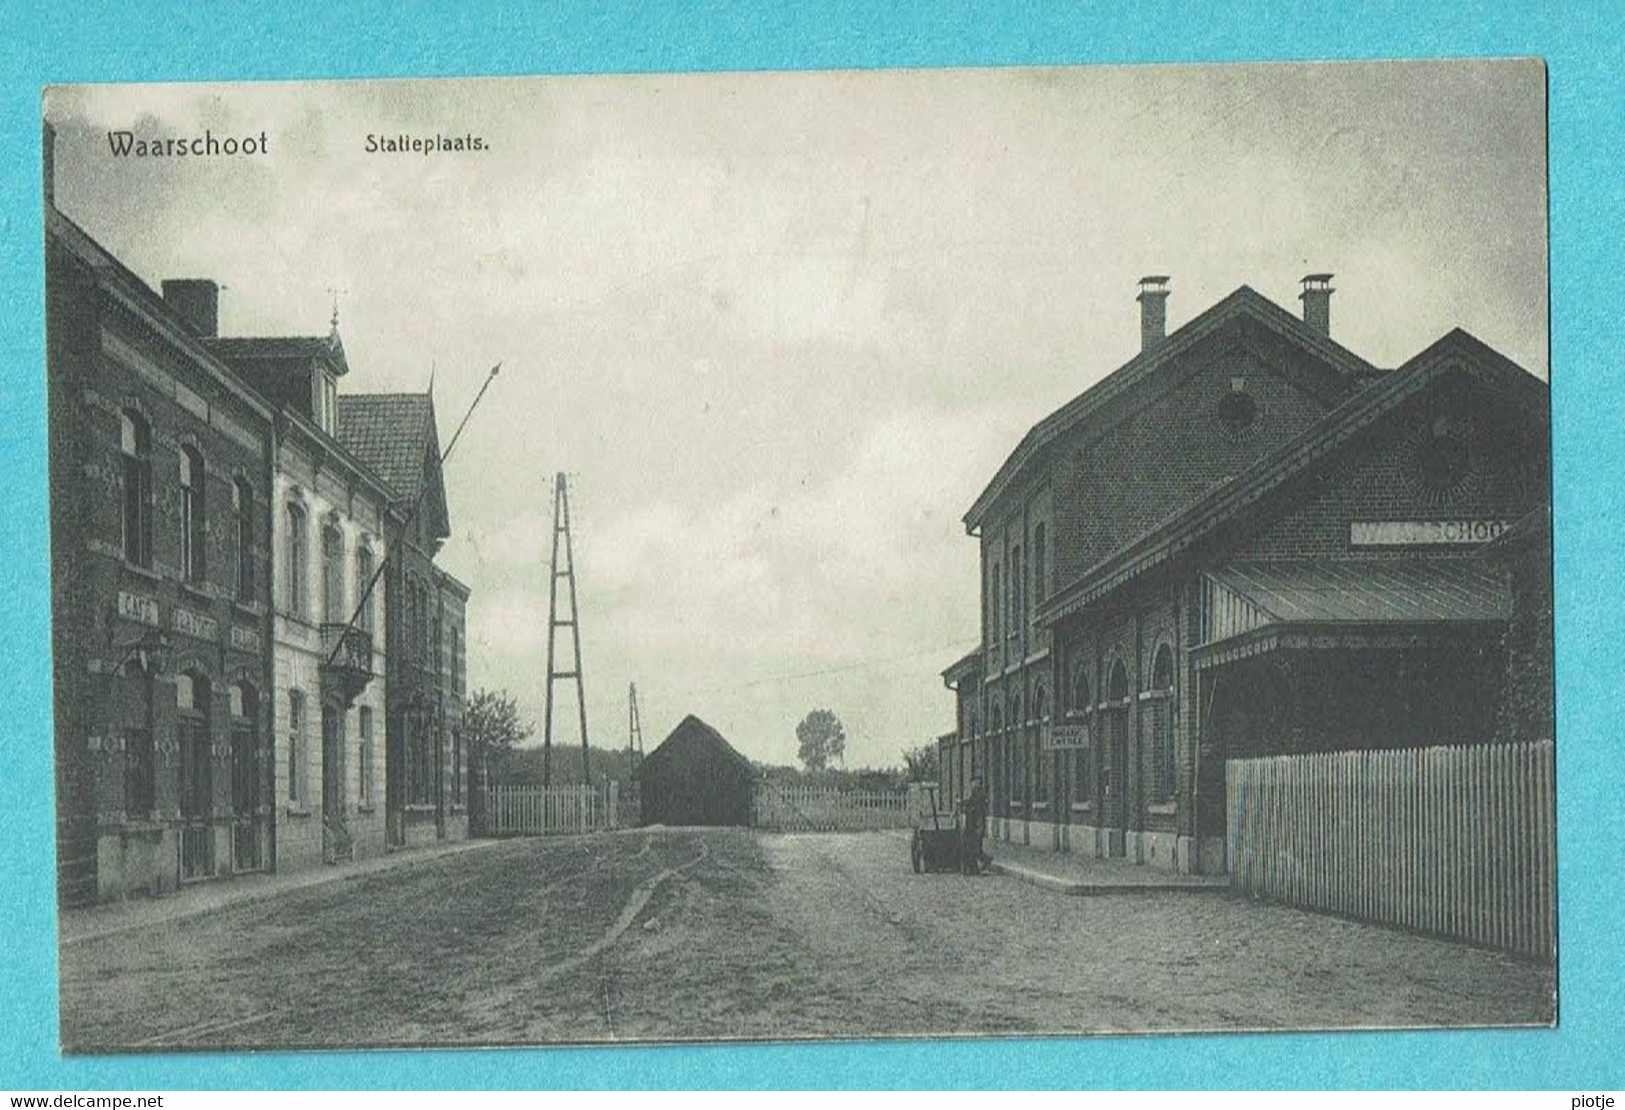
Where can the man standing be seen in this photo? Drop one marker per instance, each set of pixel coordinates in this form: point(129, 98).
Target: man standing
point(972, 860)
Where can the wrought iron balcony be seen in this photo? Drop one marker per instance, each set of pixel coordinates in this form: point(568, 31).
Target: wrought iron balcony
point(346, 659)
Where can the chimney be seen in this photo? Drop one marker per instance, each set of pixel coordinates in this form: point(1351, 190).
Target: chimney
point(197, 300)
point(1317, 302)
point(1153, 300)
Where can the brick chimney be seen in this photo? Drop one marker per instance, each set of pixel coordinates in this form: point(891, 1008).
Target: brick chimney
point(1153, 300)
point(1317, 302)
point(197, 300)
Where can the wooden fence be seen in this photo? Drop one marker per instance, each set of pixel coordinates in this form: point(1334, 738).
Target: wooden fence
point(787, 808)
point(1452, 841)
point(537, 811)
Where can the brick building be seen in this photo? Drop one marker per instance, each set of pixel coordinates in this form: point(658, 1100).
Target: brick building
point(328, 536)
point(425, 794)
point(160, 472)
point(1246, 540)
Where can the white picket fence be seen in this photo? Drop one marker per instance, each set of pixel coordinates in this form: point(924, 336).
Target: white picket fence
point(538, 811)
point(785, 808)
point(1453, 841)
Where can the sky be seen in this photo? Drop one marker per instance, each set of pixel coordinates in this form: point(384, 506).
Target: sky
point(781, 329)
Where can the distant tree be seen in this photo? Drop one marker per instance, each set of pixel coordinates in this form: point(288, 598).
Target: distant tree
point(821, 739)
point(493, 729)
point(922, 762)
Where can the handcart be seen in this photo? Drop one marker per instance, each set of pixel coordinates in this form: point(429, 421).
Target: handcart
point(938, 842)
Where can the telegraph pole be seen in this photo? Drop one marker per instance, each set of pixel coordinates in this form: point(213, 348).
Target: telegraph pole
point(561, 527)
point(634, 729)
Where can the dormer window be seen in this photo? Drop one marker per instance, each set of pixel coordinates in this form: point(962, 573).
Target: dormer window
point(325, 399)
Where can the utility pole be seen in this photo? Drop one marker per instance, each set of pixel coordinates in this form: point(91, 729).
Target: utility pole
point(634, 729)
point(561, 527)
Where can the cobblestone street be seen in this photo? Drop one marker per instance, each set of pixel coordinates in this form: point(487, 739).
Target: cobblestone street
point(682, 934)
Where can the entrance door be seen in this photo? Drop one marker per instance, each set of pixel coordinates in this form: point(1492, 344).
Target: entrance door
point(196, 782)
point(336, 843)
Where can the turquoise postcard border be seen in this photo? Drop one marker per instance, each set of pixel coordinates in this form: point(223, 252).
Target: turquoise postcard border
point(1580, 41)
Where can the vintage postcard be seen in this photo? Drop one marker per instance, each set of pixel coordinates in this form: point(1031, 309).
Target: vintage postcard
point(778, 556)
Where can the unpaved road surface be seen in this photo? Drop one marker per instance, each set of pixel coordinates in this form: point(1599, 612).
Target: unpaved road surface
point(682, 934)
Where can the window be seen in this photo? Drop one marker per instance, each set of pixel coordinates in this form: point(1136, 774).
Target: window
point(192, 514)
point(456, 766)
point(455, 652)
point(135, 446)
point(1112, 754)
point(1017, 614)
point(1083, 785)
point(364, 569)
point(1017, 749)
point(364, 758)
point(294, 560)
point(242, 504)
point(1041, 758)
point(436, 628)
point(1040, 560)
point(333, 575)
point(296, 745)
point(139, 784)
point(995, 629)
point(324, 400)
point(1163, 771)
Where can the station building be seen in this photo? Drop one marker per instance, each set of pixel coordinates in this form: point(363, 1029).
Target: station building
point(1248, 540)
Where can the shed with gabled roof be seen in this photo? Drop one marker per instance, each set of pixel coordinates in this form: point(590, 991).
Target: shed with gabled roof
point(695, 777)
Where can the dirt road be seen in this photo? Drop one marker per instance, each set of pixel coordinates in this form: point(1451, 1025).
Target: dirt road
point(682, 934)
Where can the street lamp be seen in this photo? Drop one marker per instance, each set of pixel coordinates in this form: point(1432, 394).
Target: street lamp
point(151, 651)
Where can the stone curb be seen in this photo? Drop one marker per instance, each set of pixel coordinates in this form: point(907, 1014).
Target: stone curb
point(1075, 888)
point(250, 895)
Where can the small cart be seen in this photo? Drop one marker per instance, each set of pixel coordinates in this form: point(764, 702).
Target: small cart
point(938, 841)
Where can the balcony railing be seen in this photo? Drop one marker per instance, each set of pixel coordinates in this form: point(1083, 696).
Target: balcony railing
point(346, 659)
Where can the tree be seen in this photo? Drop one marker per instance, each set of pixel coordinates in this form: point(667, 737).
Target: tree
point(923, 764)
point(493, 729)
point(821, 739)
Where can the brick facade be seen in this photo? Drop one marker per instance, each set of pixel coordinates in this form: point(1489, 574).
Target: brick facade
point(1247, 437)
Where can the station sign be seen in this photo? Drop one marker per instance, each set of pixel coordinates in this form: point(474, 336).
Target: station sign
point(1068, 737)
point(1419, 533)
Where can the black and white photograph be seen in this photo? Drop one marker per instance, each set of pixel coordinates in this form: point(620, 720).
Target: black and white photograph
point(781, 556)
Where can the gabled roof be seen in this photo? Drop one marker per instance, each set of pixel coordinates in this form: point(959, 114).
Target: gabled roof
point(395, 434)
point(283, 348)
point(1244, 302)
point(969, 663)
point(692, 726)
point(1457, 349)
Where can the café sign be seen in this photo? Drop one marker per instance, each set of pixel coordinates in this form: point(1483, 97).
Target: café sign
point(193, 624)
point(138, 607)
point(1424, 533)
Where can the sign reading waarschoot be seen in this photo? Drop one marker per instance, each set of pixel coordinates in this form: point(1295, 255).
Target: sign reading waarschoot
point(1411, 533)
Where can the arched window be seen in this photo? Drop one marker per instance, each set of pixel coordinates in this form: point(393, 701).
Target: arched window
point(1018, 611)
point(1041, 757)
point(1040, 563)
point(192, 514)
point(196, 781)
point(1083, 782)
point(1114, 751)
point(1014, 749)
point(365, 590)
point(294, 558)
point(242, 505)
point(995, 629)
point(333, 575)
point(1163, 771)
point(135, 448)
